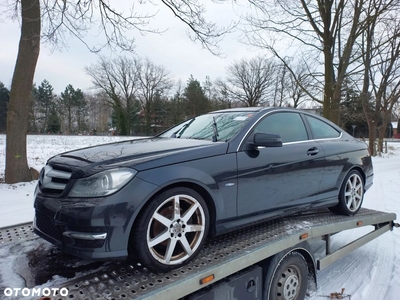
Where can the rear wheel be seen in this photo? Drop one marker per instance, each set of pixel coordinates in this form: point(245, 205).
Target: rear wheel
point(288, 280)
point(171, 229)
point(351, 194)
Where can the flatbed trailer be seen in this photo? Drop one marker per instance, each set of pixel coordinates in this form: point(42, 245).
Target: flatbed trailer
point(245, 264)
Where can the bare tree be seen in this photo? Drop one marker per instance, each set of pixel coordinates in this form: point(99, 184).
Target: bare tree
point(152, 80)
point(380, 50)
point(289, 86)
point(118, 78)
point(177, 105)
point(250, 81)
point(282, 78)
point(396, 110)
point(100, 112)
point(126, 80)
point(21, 86)
point(299, 81)
point(223, 98)
point(75, 18)
point(320, 32)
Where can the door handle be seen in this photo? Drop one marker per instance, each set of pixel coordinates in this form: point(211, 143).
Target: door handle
point(312, 151)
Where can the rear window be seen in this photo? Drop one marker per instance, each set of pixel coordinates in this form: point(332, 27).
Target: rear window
point(322, 130)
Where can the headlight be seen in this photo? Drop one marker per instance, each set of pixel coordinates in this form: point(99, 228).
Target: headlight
point(102, 184)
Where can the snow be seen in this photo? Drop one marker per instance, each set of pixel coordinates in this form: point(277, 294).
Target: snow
point(40, 149)
point(370, 272)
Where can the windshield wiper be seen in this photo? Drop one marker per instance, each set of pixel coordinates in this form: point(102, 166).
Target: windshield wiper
point(215, 131)
point(183, 128)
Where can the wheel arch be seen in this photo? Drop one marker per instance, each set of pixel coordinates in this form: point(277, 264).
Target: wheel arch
point(274, 261)
point(360, 170)
point(357, 168)
point(312, 267)
point(196, 187)
point(203, 193)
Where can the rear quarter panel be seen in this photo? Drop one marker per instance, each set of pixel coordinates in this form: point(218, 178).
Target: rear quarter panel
point(343, 155)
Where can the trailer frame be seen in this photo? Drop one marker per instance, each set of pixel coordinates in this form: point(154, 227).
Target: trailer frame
point(222, 257)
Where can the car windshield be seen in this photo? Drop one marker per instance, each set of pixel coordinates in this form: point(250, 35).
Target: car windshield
point(213, 126)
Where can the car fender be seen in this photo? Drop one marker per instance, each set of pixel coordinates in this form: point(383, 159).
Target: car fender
point(171, 175)
point(174, 175)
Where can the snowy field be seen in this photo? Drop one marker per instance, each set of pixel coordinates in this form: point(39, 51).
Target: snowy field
point(40, 149)
point(371, 272)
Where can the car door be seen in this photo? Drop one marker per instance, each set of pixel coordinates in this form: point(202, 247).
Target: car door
point(279, 178)
point(336, 157)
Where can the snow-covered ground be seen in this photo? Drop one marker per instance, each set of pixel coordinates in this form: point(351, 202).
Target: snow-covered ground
point(371, 272)
point(40, 149)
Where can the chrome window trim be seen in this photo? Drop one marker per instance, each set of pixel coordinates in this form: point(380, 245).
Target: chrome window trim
point(327, 139)
point(298, 142)
point(269, 112)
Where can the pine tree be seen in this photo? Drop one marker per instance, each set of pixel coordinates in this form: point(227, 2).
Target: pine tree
point(195, 98)
point(4, 98)
point(53, 122)
point(76, 108)
point(44, 99)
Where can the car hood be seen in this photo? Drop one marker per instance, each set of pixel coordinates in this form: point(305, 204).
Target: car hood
point(139, 154)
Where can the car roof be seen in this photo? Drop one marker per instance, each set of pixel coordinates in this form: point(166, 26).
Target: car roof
point(252, 109)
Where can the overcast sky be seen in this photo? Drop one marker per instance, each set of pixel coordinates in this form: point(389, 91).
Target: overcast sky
point(173, 49)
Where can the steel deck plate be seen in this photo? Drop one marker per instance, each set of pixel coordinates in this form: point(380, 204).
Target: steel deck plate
point(16, 233)
point(221, 256)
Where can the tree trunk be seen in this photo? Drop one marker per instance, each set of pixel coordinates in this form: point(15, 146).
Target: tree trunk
point(148, 113)
point(21, 87)
point(335, 104)
point(69, 119)
point(327, 87)
point(383, 129)
point(372, 137)
point(381, 137)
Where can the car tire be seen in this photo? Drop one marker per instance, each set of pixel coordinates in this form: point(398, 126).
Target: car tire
point(171, 229)
point(286, 279)
point(351, 194)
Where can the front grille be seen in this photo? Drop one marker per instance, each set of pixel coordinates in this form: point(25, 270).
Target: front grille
point(53, 180)
point(47, 225)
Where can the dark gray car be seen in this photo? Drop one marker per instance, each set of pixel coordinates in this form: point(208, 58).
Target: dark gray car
point(157, 199)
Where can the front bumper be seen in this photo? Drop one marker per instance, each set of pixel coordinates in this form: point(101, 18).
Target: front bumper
point(92, 228)
point(91, 242)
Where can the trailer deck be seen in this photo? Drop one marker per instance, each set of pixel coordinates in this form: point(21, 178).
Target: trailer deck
point(220, 257)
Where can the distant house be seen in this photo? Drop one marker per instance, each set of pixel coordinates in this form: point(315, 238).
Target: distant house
point(112, 130)
point(318, 110)
point(394, 128)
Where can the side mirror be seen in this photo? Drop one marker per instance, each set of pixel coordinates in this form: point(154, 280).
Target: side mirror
point(261, 139)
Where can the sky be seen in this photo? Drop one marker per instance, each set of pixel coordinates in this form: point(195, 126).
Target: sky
point(370, 272)
point(172, 49)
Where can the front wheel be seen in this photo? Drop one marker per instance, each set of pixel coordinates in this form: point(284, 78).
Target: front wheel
point(289, 279)
point(171, 229)
point(351, 194)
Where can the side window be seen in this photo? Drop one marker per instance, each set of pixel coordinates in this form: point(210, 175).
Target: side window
point(322, 130)
point(288, 125)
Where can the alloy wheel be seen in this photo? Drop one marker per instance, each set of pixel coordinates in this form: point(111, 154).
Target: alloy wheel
point(176, 229)
point(354, 192)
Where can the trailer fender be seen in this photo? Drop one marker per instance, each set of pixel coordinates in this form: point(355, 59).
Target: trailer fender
point(292, 271)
